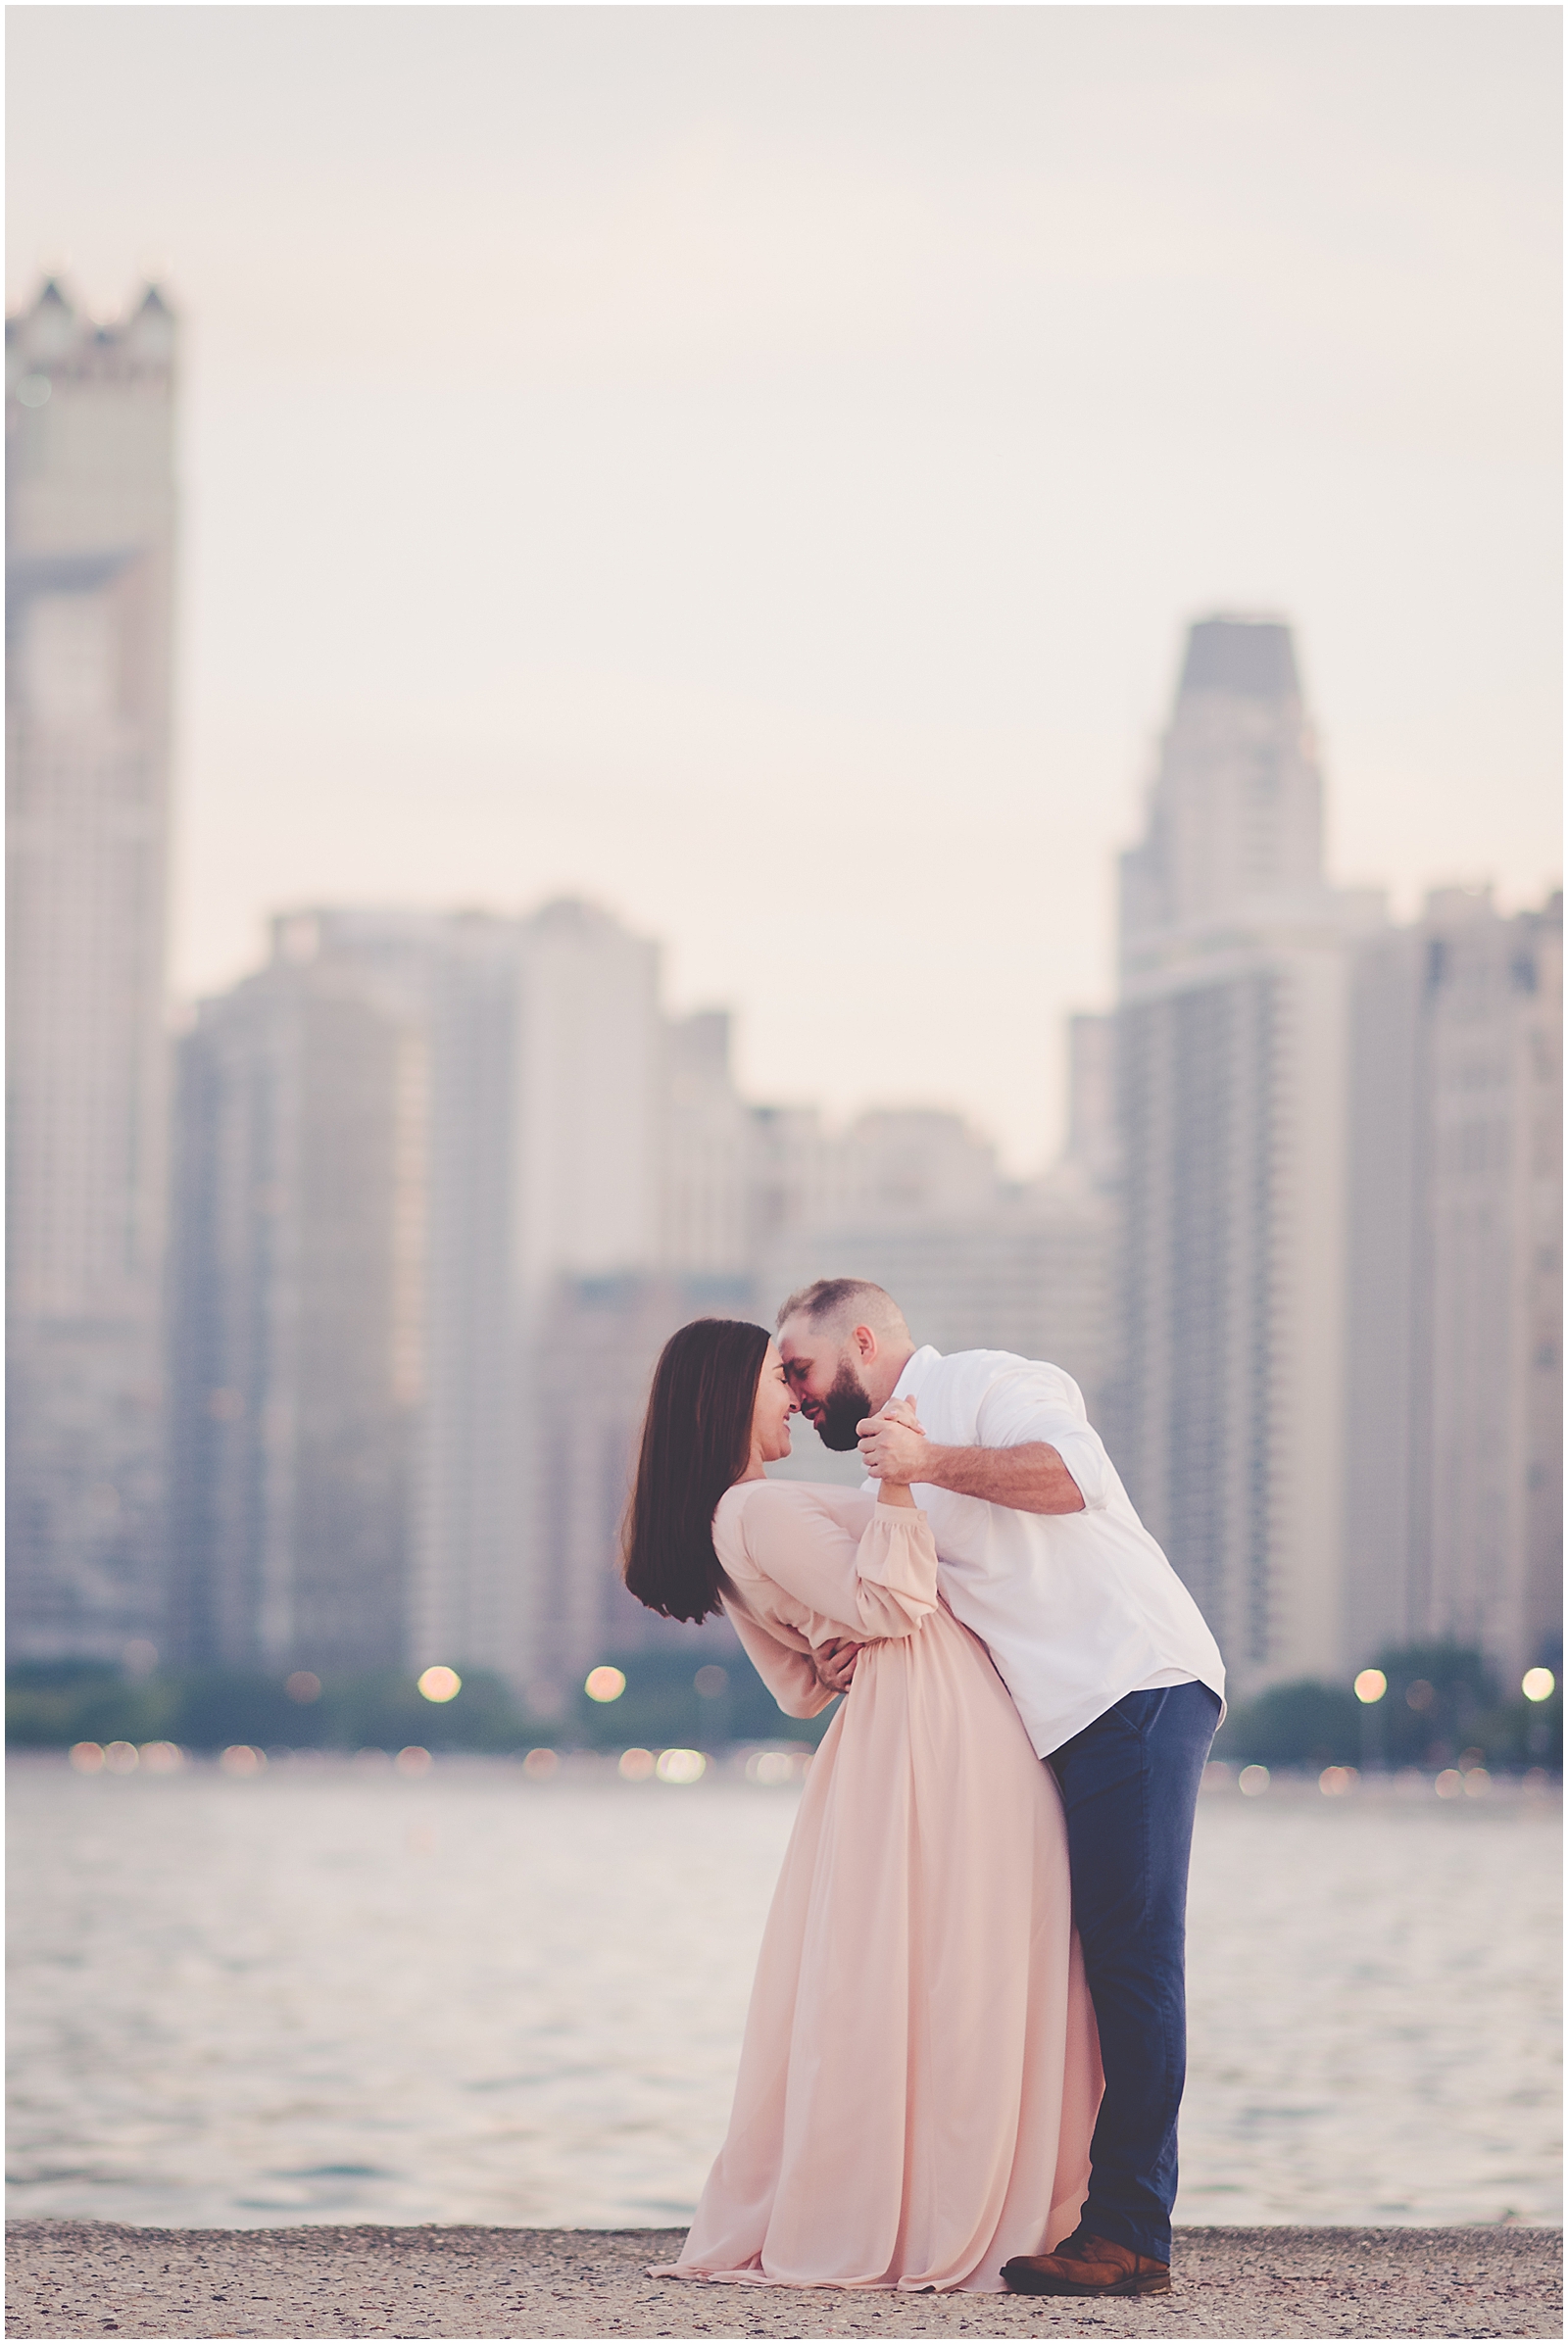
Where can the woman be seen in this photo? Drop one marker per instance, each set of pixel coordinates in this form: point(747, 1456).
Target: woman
point(919, 2073)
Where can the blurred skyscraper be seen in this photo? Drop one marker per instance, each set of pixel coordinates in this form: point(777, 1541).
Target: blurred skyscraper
point(1232, 1049)
point(1453, 1524)
point(298, 1281)
point(1340, 1385)
point(587, 1153)
point(708, 1147)
point(90, 576)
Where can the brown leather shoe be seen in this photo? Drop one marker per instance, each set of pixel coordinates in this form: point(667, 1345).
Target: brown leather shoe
point(1084, 2264)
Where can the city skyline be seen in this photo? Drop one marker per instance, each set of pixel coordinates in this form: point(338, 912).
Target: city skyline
point(766, 435)
point(1300, 1253)
point(433, 1169)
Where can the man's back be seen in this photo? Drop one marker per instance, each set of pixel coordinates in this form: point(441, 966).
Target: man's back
point(1077, 1609)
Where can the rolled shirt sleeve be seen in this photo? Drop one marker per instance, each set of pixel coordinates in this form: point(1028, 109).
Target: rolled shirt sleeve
point(1038, 1402)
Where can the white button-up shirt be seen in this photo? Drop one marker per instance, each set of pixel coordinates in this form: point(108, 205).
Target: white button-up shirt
point(1075, 1609)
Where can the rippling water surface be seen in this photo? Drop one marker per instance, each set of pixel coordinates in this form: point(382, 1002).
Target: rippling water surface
point(332, 1994)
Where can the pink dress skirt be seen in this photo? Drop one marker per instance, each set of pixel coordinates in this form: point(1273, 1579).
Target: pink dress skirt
point(920, 2074)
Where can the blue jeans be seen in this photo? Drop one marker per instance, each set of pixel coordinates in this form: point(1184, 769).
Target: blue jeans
point(1130, 1786)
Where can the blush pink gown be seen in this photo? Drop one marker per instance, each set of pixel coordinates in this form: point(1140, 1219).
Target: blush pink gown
point(920, 2074)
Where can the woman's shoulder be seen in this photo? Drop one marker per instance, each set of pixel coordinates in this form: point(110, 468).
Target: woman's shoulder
point(809, 1497)
point(778, 1501)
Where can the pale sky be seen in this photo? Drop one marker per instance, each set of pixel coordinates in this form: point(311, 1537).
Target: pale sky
point(753, 467)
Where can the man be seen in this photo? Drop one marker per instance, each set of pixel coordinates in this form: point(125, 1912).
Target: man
point(1116, 1678)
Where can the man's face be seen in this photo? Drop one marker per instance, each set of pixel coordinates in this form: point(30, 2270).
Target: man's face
point(825, 1377)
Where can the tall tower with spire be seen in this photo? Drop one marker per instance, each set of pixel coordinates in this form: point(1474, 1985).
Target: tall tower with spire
point(89, 563)
point(1231, 1054)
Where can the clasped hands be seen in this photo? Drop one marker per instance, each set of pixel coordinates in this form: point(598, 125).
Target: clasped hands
point(892, 1449)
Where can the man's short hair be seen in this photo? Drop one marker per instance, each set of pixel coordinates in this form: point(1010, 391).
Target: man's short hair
point(839, 1303)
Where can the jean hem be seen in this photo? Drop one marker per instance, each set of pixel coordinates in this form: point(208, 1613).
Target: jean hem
point(1123, 2231)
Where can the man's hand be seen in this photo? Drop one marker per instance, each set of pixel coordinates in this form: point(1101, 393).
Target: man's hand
point(834, 1663)
point(892, 1443)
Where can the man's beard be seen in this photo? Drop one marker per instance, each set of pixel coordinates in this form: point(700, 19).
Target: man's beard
point(845, 1407)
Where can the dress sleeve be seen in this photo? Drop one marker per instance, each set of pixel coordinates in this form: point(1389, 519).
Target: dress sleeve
point(788, 1675)
point(883, 1584)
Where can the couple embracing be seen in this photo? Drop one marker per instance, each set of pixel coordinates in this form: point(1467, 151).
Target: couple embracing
point(967, 2042)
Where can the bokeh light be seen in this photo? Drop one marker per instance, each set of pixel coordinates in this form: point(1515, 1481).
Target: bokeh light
point(636, 1766)
point(1537, 1684)
point(161, 1757)
point(87, 1757)
point(440, 1685)
point(681, 1766)
point(414, 1760)
point(540, 1765)
point(241, 1759)
point(605, 1685)
point(302, 1685)
point(1421, 1694)
point(1449, 1785)
point(122, 1757)
point(1253, 1782)
point(1477, 1781)
point(772, 1767)
point(712, 1681)
point(1335, 1780)
point(1371, 1685)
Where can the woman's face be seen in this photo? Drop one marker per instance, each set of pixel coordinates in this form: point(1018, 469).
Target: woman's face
point(775, 1405)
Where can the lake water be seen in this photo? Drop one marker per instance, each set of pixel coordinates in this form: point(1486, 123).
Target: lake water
point(330, 1993)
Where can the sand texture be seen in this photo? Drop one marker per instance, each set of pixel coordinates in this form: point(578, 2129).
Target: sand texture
point(92, 2278)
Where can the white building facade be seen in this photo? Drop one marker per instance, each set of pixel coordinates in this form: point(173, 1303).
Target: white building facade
point(90, 558)
point(1233, 1049)
point(1454, 1526)
point(298, 1301)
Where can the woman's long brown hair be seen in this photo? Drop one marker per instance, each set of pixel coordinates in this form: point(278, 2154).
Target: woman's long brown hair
point(697, 1438)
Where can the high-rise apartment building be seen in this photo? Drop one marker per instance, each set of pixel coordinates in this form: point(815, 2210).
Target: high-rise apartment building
point(467, 1584)
point(1232, 1071)
point(588, 1107)
point(547, 1059)
point(299, 1306)
point(1454, 1525)
point(709, 1153)
point(90, 561)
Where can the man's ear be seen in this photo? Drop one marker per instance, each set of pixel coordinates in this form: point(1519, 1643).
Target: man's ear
point(866, 1343)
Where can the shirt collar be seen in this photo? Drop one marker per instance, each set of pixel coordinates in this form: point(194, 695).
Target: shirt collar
point(916, 1368)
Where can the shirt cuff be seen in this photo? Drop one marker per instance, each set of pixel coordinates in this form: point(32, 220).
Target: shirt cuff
point(1086, 1461)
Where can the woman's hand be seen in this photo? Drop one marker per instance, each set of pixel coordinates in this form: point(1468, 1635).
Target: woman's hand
point(834, 1663)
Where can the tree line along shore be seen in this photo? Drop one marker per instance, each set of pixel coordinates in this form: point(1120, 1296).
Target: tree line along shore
point(1442, 1707)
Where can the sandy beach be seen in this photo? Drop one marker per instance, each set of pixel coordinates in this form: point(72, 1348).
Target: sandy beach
point(91, 2279)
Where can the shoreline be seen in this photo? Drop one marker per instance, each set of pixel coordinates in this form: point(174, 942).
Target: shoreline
point(75, 2278)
